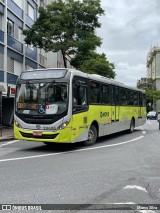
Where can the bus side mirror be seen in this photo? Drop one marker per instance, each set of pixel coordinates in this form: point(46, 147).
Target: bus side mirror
point(8, 91)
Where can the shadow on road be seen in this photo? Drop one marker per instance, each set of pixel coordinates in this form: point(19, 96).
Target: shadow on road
point(59, 147)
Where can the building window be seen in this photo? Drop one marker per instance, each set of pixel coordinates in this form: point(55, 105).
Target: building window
point(43, 3)
point(1, 61)
point(1, 21)
point(17, 67)
point(10, 64)
point(30, 11)
point(42, 60)
point(27, 67)
point(19, 3)
point(59, 64)
point(30, 46)
point(10, 27)
point(20, 35)
point(16, 31)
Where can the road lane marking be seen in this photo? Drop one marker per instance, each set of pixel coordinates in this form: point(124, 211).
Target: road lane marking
point(146, 211)
point(148, 122)
point(135, 187)
point(142, 129)
point(8, 143)
point(80, 150)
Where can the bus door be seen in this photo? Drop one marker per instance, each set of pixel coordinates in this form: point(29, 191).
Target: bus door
point(79, 110)
point(115, 103)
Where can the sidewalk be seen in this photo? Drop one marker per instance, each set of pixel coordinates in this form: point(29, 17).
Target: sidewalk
point(6, 133)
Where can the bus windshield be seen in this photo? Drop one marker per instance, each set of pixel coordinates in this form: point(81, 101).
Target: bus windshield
point(41, 98)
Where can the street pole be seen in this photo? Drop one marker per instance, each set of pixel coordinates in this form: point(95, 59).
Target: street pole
point(0, 113)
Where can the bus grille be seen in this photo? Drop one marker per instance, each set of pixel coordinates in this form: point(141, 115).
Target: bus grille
point(30, 135)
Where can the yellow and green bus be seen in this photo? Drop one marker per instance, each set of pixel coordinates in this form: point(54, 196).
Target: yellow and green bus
point(68, 106)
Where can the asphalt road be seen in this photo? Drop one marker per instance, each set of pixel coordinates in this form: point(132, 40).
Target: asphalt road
point(122, 168)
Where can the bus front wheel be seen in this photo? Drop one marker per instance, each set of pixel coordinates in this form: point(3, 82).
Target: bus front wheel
point(92, 136)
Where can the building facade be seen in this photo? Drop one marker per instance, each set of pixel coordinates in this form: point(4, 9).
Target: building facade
point(153, 66)
point(15, 55)
point(153, 71)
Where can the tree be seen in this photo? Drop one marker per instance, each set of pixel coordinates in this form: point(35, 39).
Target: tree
point(148, 85)
point(98, 64)
point(85, 51)
point(67, 27)
point(151, 97)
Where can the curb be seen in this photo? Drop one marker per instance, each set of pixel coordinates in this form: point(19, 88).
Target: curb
point(6, 139)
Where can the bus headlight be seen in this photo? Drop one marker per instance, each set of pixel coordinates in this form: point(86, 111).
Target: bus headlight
point(63, 125)
point(17, 124)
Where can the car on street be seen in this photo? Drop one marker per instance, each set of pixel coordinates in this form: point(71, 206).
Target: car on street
point(152, 115)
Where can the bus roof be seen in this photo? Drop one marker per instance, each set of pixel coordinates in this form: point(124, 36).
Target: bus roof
point(95, 77)
point(103, 79)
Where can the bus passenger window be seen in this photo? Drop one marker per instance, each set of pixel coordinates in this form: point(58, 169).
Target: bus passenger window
point(113, 95)
point(135, 98)
point(80, 98)
point(105, 94)
point(123, 97)
point(130, 97)
point(94, 92)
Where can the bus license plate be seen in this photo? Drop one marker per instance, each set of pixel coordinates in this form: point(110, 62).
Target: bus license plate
point(37, 133)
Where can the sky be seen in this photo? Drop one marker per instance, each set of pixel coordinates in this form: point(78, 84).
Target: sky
point(128, 30)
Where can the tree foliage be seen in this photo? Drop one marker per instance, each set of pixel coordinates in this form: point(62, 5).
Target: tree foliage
point(66, 26)
point(98, 64)
point(151, 97)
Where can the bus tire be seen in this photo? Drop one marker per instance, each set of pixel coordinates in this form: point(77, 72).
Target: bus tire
point(132, 125)
point(48, 143)
point(92, 136)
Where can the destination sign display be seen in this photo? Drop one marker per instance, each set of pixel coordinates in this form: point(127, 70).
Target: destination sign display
point(43, 74)
point(27, 106)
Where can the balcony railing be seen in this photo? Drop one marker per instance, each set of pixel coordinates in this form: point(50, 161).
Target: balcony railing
point(13, 43)
point(31, 53)
point(14, 7)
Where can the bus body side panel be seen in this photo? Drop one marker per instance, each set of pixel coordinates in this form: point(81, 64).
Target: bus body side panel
point(81, 123)
point(106, 119)
point(141, 120)
point(79, 130)
point(125, 116)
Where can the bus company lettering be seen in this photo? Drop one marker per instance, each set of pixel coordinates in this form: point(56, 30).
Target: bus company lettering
point(104, 114)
